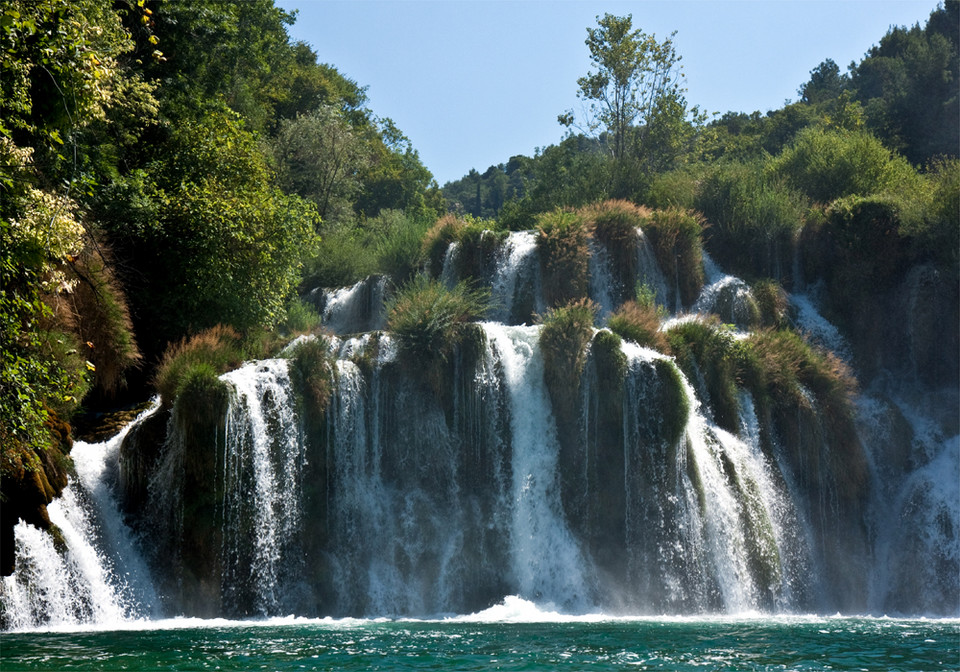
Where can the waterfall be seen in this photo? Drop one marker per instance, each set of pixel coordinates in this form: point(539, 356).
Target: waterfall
point(708, 524)
point(726, 296)
point(413, 502)
point(648, 271)
point(817, 328)
point(426, 486)
point(262, 481)
point(515, 288)
point(546, 561)
point(602, 289)
point(448, 274)
point(354, 309)
point(90, 570)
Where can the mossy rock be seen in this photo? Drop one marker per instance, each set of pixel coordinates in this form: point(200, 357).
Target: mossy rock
point(674, 408)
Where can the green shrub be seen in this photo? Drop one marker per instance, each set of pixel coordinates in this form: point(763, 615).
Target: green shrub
point(675, 235)
point(640, 323)
point(674, 189)
point(301, 317)
point(711, 356)
point(781, 365)
point(343, 258)
point(772, 303)
point(217, 349)
point(865, 250)
point(936, 234)
point(675, 409)
point(65, 363)
point(827, 164)
point(437, 239)
point(97, 311)
point(397, 249)
point(429, 319)
point(564, 256)
point(479, 242)
point(204, 396)
point(607, 352)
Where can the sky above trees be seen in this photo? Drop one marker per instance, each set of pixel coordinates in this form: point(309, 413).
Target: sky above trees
point(472, 83)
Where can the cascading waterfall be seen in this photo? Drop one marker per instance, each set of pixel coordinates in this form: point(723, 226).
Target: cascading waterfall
point(516, 282)
point(262, 468)
point(648, 270)
point(93, 572)
point(354, 309)
point(602, 289)
point(545, 558)
point(422, 488)
point(726, 296)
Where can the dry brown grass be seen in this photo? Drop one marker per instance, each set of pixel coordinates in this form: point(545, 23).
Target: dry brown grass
point(640, 324)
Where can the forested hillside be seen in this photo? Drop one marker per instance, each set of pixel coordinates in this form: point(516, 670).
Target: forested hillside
point(176, 177)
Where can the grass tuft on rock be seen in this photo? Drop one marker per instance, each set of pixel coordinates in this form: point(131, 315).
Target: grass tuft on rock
point(217, 350)
point(429, 318)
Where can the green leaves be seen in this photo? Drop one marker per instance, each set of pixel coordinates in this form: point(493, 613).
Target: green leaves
point(634, 71)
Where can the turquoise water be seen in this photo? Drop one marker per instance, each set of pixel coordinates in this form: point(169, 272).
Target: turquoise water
point(755, 643)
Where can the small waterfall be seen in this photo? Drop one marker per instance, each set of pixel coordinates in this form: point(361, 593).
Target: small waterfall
point(354, 309)
point(726, 296)
point(89, 571)
point(515, 287)
point(917, 476)
point(709, 525)
point(817, 328)
point(261, 505)
point(448, 274)
point(546, 560)
point(410, 530)
point(648, 271)
point(602, 289)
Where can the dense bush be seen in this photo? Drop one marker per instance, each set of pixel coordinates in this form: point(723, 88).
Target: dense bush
point(397, 243)
point(675, 405)
point(614, 224)
point(781, 368)
point(565, 332)
point(674, 189)
point(640, 323)
point(438, 238)
point(826, 164)
point(935, 233)
point(564, 256)
point(312, 365)
point(711, 357)
point(772, 303)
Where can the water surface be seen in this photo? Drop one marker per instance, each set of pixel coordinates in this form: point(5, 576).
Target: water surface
point(501, 639)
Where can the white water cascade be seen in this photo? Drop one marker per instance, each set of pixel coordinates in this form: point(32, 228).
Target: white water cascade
point(545, 558)
point(94, 573)
point(515, 286)
point(427, 487)
point(262, 481)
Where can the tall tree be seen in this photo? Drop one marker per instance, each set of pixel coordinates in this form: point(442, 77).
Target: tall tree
point(319, 157)
point(634, 71)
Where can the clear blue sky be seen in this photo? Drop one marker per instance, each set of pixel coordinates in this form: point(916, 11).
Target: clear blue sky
point(472, 83)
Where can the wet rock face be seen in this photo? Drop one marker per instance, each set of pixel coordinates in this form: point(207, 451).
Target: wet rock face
point(29, 482)
point(929, 303)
